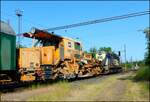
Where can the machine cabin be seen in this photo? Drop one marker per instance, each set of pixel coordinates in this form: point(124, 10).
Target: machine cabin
point(55, 48)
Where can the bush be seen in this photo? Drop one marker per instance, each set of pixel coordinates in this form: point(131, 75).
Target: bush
point(143, 74)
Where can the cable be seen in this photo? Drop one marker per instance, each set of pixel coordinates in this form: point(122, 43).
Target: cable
point(96, 21)
point(99, 20)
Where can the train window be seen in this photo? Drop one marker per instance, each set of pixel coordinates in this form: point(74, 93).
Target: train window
point(50, 43)
point(69, 44)
point(77, 46)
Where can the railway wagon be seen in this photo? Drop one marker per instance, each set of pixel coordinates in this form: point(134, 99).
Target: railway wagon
point(8, 71)
point(110, 62)
point(51, 57)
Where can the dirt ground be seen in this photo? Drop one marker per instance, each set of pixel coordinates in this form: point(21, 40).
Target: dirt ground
point(115, 87)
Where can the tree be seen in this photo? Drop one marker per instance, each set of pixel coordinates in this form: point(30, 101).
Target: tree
point(106, 49)
point(93, 50)
point(85, 52)
point(147, 54)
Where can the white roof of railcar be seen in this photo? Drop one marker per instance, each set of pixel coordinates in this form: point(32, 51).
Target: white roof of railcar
point(6, 28)
point(75, 40)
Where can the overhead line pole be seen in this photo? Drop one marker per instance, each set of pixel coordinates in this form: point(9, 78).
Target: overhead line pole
point(19, 14)
point(125, 57)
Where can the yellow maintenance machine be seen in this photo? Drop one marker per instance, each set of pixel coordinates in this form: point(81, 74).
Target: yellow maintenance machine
point(53, 57)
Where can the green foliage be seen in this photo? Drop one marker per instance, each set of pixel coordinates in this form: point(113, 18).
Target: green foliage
point(106, 49)
point(147, 58)
point(143, 74)
point(85, 52)
point(56, 92)
point(140, 63)
point(129, 65)
point(147, 54)
point(93, 50)
point(147, 32)
point(34, 86)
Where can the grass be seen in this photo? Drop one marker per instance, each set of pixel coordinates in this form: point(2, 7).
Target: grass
point(90, 91)
point(62, 90)
point(137, 91)
point(57, 92)
point(139, 85)
point(145, 85)
point(143, 74)
point(34, 86)
point(134, 90)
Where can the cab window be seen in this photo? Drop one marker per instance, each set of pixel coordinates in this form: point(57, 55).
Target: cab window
point(77, 46)
point(69, 44)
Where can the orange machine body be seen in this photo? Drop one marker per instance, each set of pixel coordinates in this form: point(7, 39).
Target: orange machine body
point(54, 49)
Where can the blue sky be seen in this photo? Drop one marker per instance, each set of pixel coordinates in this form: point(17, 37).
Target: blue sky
point(47, 14)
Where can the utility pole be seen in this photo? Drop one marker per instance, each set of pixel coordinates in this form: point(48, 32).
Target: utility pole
point(119, 54)
point(19, 15)
point(125, 57)
point(131, 63)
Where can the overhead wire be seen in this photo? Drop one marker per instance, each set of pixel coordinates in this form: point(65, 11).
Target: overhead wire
point(92, 21)
point(99, 20)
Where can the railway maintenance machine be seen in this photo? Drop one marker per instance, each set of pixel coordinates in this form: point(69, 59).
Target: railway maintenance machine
point(51, 57)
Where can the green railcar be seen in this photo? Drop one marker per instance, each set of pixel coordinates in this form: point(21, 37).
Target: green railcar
point(7, 47)
point(7, 51)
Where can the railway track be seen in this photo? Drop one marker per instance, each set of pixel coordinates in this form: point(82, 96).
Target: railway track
point(12, 86)
point(18, 85)
point(15, 85)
